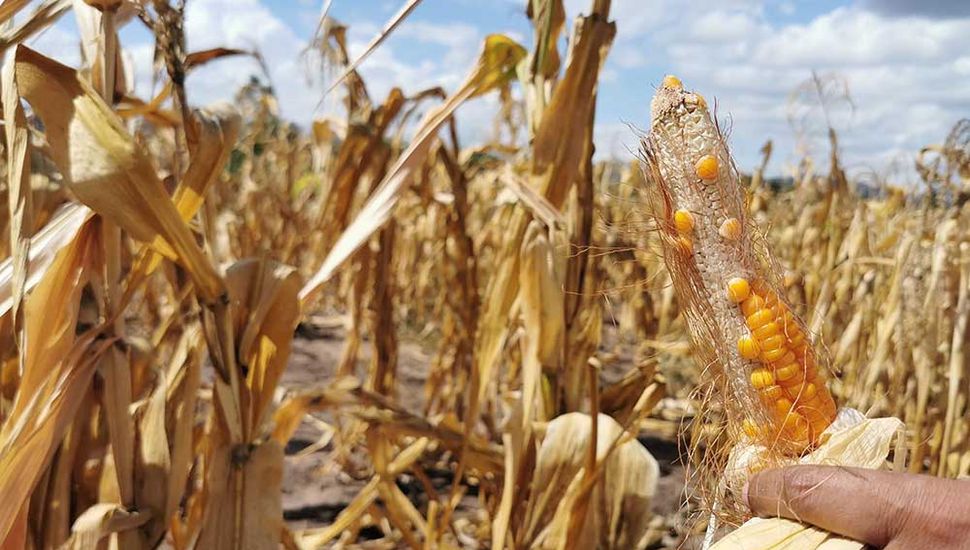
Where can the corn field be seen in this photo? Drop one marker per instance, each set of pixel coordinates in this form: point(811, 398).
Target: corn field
point(222, 330)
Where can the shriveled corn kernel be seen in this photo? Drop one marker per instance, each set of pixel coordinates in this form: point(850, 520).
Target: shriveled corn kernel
point(671, 81)
point(738, 289)
point(762, 378)
point(766, 331)
point(752, 305)
point(772, 342)
point(760, 318)
point(706, 168)
point(730, 229)
point(683, 221)
point(748, 347)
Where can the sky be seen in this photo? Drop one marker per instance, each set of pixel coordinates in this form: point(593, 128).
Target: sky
point(904, 63)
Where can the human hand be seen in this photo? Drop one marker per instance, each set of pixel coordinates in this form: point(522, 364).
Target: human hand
point(882, 509)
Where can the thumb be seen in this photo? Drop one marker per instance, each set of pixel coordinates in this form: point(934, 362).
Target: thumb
point(870, 506)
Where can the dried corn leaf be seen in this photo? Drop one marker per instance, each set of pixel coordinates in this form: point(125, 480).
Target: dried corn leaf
point(618, 513)
point(44, 16)
point(782, 534)
point(216, 128)
point(19, 192)
point(100, 521)
point(57, 371)
point(44, 246)
point(265, 312)
point(104, 167)
point(494, 68)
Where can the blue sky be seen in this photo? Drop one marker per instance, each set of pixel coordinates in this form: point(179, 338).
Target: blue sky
point(906, 64)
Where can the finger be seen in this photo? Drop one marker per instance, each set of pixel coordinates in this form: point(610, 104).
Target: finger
point(866, 505)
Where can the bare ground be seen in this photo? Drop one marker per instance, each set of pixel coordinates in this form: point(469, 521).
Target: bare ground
point(315, 490)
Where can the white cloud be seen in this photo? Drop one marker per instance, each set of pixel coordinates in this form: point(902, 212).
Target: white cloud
point(907, 69)
point(906, 75)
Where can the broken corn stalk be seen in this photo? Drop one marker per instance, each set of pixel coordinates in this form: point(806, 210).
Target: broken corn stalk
point(738, 320)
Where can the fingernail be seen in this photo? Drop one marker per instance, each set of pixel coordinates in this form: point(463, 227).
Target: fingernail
point(744, 495)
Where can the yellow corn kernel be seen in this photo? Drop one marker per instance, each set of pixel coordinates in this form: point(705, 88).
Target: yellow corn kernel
point(773, 342)
point(752, 305)
point(760, 318)
point(750, 428)
point(786, 359)
point(771, 394)
point(748, 347)
point(773, 355)
point(738, 289)
point(701, 101)
point(766, 331)
point(730, 229)
point(783, 407)
point(706, 168)
point(762, 378)
point(796, 426)
point(671, 81)
point(787, 374)
point(683, 221)
point(805, 392)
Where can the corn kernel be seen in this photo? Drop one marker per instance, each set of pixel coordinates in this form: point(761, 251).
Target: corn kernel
point(748, 348)
point(701, 101)
point(796, 426)
point(760, 318)
point(766, 331)
point(772, 393)
point(787, 373)
point(706, 168)
point(762, 378)
point(671, 81)
point(807, 391)
point(750, 428)
point(738, 289)
point(683, 221)
point(786, 359)
point(783, 407)
point(774, 342)
point(772, 355)
point(730, 229)
point(752, 305)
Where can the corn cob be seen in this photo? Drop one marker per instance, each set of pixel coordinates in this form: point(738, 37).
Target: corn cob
point(737, 320)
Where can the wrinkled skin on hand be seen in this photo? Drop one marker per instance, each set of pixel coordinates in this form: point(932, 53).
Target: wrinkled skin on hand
point(883, 509)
